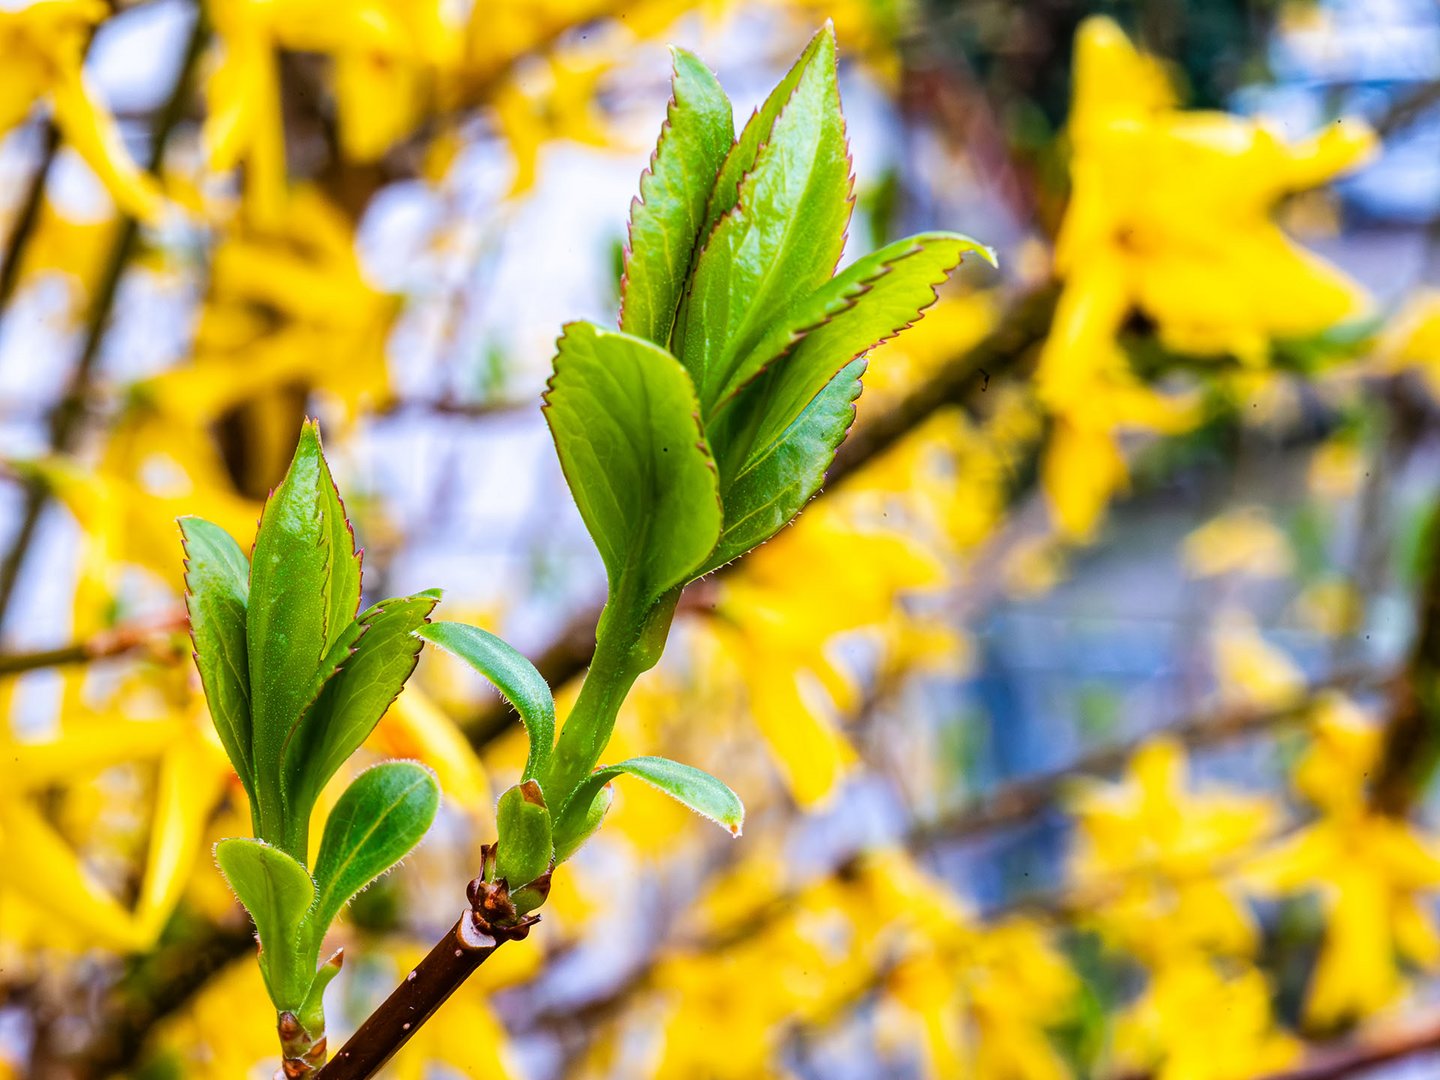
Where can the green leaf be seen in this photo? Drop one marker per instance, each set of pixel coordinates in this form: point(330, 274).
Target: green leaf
point(343, 596)
point(782, 238)
point(864, 305)
point(580, 821)
point(379, 818)
point(776, 483)
point(513, 675)
point(694, 787)
point(277, 892)
point(287, 627)
point(312, 1010)
point(523, 826)
point(665, 220)
point(351, 703)
point(758, 129)
point(217, 589)
point(626, 427)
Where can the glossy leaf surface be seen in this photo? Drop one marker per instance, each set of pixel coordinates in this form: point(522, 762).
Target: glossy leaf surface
point(665, 221)
point(780, 241)
point(867, 303)
point(217, 590)
point(287, 629)
point(777, 482)
point(513, 675)
point(353, 700)
point(277, 892)
point(380, 817)
point(624, 418)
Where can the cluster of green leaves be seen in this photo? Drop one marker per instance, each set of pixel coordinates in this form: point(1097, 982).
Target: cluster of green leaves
point(296, 680)
point(693, 433)
point(704, 424)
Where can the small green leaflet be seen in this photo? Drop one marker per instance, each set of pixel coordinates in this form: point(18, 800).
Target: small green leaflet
point(776, 483)
point(694, 787)
point(523, 825)
point(580, 822)
point(290, 601)
point(869, 302)
point(376, 822)
point(352, 702)
point(217, 589)
point(514, 676)
point(277, 892)
point(626, 427)
point(665, 220)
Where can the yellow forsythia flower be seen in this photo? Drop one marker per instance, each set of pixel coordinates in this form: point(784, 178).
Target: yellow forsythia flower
point(43, 43)
point(1170, 214)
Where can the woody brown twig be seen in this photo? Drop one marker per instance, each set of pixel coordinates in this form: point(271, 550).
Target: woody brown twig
point(488, 923)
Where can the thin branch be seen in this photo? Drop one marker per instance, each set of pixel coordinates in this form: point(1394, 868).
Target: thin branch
point(488, 923)
point(28, 216)
point(1346, 1059)
point(121, 641)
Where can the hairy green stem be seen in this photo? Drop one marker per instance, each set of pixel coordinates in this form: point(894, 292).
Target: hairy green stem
point(628, 643)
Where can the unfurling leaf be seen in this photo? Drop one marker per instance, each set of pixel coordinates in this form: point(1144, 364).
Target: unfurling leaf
point(303, 576)
point(626, 426)
point(379, 818)
point(217, 589)
point(665, 220)
point(513, 675)
point(352, 701)
point(782, 237)
point(277, 892)
point(776, 483)
point(523, 824)
point(694, 787)
point(580, 822)
point(867, 303)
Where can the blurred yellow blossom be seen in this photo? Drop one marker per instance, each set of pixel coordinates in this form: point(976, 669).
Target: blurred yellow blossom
point(777, 621)
point(1374, 873)
point(1148, 852)
point(1249, 671)
point(1197, 1022)
point(1243, 540)
point(1170, 215)
point(43, 43)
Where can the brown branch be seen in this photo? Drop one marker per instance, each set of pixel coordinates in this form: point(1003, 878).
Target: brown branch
point(1411, 744)
point(28, 216)
point(488, 923)
point(1337, 1061)
point(121, 641)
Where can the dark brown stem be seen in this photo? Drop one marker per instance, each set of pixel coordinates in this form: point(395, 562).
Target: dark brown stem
point(1411, 744)
point(488, 924)
point(442, 972)
point(29, 215)
point(1337, 1062)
